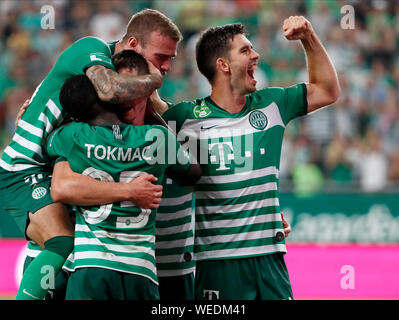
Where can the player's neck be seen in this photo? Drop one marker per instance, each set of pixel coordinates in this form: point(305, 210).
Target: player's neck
point(118, 47)
point(105, 118)
point(225, 97)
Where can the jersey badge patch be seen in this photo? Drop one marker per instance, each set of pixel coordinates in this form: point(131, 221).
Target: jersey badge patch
point(39, 192)
point(258, 119)
point(202, 110)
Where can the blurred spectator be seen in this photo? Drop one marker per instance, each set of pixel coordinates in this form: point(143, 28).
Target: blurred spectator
point(107, 24)
point(351, 143)
point(372, 163)
point(338, 167)
point(393, 171)
point(308, 177)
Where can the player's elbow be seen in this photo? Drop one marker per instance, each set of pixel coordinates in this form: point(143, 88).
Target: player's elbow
point(334, 94)
point(59, 190)
point(56, 191)
point(104, 96)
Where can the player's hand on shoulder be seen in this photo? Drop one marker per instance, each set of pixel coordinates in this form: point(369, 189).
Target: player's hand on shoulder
point(297, 28)
point(22, 111)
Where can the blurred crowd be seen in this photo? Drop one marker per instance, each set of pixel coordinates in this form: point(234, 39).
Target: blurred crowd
point(352, 146)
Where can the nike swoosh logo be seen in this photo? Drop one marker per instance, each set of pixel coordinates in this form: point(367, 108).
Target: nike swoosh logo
point(26, 292)
point(207, 128)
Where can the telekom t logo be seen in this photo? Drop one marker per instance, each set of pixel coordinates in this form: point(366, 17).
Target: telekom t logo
point(211, 294)
point(220, 149)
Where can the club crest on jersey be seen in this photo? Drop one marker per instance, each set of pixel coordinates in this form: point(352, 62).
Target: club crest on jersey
point(39, 192)
point(258, 119)
point(202, 110)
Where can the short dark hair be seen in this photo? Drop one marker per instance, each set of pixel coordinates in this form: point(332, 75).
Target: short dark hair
point(146, 21)
point(78, 97)
point(214, 43)
point(130, 59)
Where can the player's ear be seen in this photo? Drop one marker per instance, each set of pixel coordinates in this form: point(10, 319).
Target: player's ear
point(222, 64)
point(132, 43)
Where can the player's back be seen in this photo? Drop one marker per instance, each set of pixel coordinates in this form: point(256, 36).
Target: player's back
point(44, 112)
point(119, 236)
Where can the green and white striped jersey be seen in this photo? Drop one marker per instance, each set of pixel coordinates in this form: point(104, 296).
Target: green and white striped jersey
point(174, 231)
point(118, 236)
point(237, 211)
point(45, 112)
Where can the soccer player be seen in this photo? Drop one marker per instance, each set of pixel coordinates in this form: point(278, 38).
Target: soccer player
point(238, 131)
point(113, 257)
point(25, 175)
point(174, 225)
point(175, 242)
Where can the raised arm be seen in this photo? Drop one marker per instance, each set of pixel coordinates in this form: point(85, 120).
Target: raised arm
point(118, 88)
point(323, 87)
point(70, 187)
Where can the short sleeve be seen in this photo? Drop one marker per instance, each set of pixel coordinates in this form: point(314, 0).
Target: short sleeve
point(176, 115)
point(84, 53)
point(60, 143)
point(294, 102)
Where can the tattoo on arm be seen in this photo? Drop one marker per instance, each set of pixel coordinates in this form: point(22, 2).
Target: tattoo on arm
point(118, 88)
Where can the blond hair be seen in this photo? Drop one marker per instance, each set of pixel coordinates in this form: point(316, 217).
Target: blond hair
point(146, 21)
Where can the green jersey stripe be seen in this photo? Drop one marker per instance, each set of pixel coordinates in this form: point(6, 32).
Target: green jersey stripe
point(179, 243)
point(176, 222)
point(236, 185)
point(238, 207)
point(239, 177)
point(248, 239)
point(48, 125)
point(16, 166)
point(167, 216)
point(102, 260)
point(174, 236)
point(15, 154)
point(170, 258)
point(229, 223)
point(236, 192)
point(240, 252)
point(237, 199)
point(176, 201)
point(28, 144)
point(143, 256)
point(30, 128)
point(174, 270)
point(85, 253)
point(173, 229)
point(236, 215)
point(53, 108)
point(122, 248)
point(229, 239)
point(114, 235)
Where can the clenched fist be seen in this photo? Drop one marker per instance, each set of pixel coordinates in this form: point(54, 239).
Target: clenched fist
point(297, 28)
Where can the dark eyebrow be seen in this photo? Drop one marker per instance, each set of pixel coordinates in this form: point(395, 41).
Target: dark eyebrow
point(161, 55)
point(247, 46)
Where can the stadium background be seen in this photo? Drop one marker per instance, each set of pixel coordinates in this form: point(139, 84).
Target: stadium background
point(339, 167)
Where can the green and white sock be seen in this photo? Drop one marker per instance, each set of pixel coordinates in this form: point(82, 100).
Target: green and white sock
point(40, 274)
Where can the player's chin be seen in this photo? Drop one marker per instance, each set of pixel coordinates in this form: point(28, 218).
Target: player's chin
point(251, 84)
point(251, 87)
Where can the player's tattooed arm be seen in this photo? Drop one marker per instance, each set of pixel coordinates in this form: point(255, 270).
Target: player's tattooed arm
point(118, 88)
